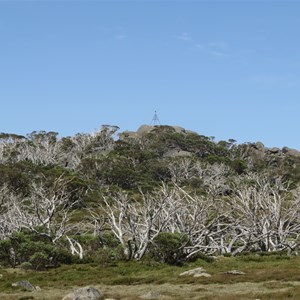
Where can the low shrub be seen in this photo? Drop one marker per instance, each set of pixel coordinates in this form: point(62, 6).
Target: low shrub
point(168, 248)
point(39, 260)
point(26, 265)
point(204, 257)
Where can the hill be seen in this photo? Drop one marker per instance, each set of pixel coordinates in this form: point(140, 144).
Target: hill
point(163, 192)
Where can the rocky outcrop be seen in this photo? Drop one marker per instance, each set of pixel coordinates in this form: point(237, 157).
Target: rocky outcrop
point(258, 150)
point(178, 129)
point(290, 151)
point(255, 151)
point(274, 150)
point(260, 146)
point(85, 293)
point(128, 135)
point(151, 295)
point(145, 129)
point(24, 284)
point(198, 272)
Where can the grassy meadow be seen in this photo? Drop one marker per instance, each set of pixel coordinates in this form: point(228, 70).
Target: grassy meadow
point(267, 277)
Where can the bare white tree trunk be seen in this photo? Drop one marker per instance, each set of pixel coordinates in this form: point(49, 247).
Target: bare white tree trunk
point(75, 247)
point(47, 211)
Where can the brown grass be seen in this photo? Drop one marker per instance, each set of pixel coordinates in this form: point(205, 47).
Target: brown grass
point(236, 291)
point(269, 278)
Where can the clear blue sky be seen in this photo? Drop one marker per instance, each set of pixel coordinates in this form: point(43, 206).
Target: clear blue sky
point(229, 69)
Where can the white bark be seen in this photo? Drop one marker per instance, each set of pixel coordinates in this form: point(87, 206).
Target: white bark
point(47, 211)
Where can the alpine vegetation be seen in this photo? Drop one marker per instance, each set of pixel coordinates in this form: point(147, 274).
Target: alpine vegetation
point(162, 192)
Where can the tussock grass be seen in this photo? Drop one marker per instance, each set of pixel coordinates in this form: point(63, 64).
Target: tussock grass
point(269, 277)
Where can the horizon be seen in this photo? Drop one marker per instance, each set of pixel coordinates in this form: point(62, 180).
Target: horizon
point(119, 131)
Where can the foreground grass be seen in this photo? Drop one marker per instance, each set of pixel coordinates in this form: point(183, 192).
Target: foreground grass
point(271, 277)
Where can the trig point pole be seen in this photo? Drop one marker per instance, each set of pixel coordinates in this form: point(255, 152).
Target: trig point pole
point(155, 121)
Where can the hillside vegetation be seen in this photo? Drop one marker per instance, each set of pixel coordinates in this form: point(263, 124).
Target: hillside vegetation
point(162, 193)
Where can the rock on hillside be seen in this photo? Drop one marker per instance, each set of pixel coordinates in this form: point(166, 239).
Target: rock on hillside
point(85, 293)
point(145, 129)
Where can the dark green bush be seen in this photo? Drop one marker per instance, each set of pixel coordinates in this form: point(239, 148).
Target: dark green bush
point(26, 265)
point(109, 239)
point(107, 255)
point(239, 166)
point(39, 260)
point(25, 246)
point(61, 256)
point(204, 257)
point(168, 247)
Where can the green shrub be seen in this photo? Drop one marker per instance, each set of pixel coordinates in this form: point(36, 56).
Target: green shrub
point(39, 260)
point(168, 247)
point(239, 166)
point(204, 257)
point(26, 265)
point(7, 256)
point(26, 246)
point(61, 256)
point(105, 256)
point(227, 255)
point(109, 239)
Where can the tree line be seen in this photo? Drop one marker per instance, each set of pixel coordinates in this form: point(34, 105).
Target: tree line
point(97, 197)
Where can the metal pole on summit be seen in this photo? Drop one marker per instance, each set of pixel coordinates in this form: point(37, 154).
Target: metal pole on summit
point(155, 120)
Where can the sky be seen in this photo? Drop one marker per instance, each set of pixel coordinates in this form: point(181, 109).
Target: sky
point(228, 69)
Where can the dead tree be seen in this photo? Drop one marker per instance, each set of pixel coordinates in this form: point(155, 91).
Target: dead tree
point(136, 224)
point(46, 211)
point(266, 213)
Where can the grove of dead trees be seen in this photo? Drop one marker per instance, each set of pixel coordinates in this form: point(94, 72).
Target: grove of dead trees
point(260, 214)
